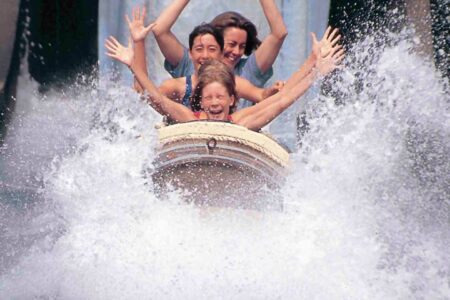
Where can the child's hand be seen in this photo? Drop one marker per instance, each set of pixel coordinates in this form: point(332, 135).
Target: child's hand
point(323, 47)
point(330, 62)
point(117, 51)
point(137, 28)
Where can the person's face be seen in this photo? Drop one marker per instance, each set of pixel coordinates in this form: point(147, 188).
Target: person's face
point(235, 40)
point(204, 47)
point(216, 101)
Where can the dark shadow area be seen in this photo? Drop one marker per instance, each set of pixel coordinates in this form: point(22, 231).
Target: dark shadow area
point(59, 38)
point(440, 15)
point(356, 21)
point(62, 40)
point(8, 94)
point(357, 18)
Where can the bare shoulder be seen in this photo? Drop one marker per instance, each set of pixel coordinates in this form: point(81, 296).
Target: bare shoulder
point(173, 88)
point(173, 83)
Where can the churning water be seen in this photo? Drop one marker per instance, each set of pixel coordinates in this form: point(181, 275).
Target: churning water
point(367, 203)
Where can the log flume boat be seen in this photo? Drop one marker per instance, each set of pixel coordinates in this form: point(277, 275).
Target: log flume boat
point(220, 164)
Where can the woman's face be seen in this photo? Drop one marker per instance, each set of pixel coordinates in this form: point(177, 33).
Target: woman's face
point(235, 40)
point(216, 101)
point(204, 47)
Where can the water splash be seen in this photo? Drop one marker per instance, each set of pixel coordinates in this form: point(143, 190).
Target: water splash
point(367, 202)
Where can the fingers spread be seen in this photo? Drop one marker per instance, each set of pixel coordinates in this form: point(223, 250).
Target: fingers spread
point(333, 34)
point(341, 52)
point(110, 45)
point(336, 48)
point(314, 37)
point(327, 32)
point(128, 20)
point(335, 40)
point(339, 56)
point(112, 55)
point(112, 49)
point(114, 41)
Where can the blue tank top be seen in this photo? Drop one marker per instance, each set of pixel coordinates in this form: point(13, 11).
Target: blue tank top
point(187, 95)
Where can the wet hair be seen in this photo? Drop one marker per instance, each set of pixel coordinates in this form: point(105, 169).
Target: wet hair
point(214, 71)
point(234, 19)
point(203, 29)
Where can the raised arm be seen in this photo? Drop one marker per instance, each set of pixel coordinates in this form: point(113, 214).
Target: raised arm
point(261, 114)
point(138, 33)
point(170, 46)
point(158, 101)
point(268, 51)
point(248, 91)
point(320, 49)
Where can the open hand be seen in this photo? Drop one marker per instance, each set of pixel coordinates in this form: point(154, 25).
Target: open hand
point(117, 51)
point(330, 62)
point(137, 28)
point(323, 47)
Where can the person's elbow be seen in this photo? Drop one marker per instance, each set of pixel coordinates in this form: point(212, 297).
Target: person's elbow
point(159, 31)
point(281, 33)
point(155, 100)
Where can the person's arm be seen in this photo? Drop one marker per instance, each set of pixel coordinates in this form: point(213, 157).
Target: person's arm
point(248, 91)
point(261, 114)
point(158, 101)
point(273, 89)
point(245, 89)
point(329, 54)
point(169, 45)
point(169, 89)
point(268, 51)
point(320, 49)
point(138, 33)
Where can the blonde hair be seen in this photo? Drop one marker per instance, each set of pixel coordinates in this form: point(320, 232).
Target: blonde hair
point(214, 71)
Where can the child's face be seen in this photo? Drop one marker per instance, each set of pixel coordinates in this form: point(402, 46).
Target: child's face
point(204, 47)
point(216, 101)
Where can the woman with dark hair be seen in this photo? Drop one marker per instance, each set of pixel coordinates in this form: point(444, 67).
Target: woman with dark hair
point(240, 37)
point(232, 19)
point(215, 92)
